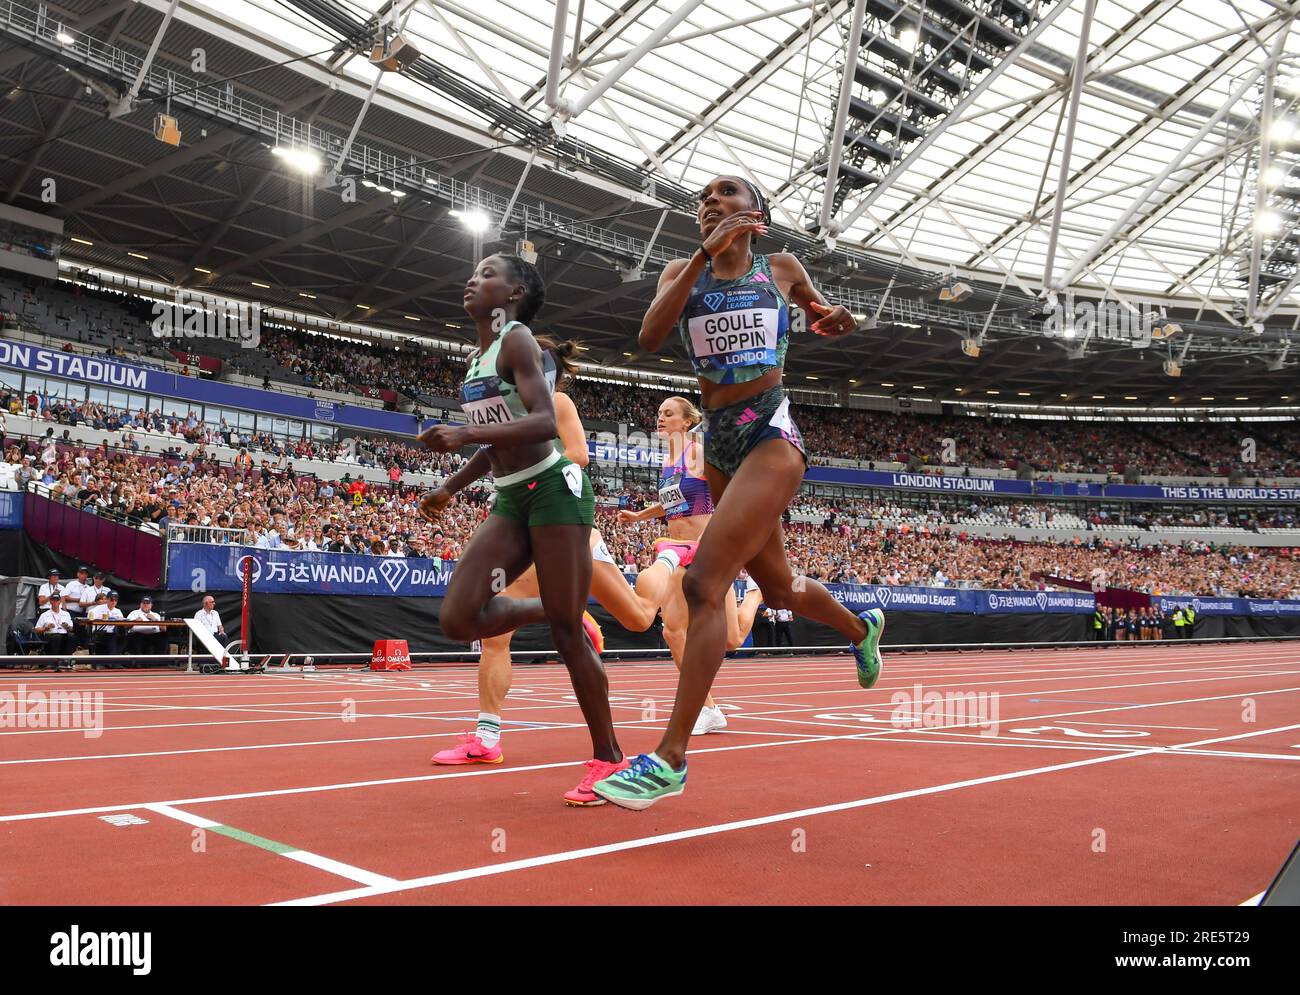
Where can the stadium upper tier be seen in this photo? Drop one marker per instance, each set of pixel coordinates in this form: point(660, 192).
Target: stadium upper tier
point(274, 505)
point(104, 320)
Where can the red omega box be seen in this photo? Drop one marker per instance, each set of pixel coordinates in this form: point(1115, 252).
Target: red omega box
point(390, 654)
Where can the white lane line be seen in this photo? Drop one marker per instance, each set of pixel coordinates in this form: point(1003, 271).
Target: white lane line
point(726, 827)
point(1072, 690)
point(1138, 725)
point(188, 818)
point(336, 867)
point(567, 856)
point(349, 785)
point(1256, 899)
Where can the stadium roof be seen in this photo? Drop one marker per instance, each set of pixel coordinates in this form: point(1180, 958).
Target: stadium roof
point(739, 87)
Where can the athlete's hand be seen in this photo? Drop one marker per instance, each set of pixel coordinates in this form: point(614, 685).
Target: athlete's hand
point(626, 516)
point(443, 438)
point(434, 502)
point(835, 320)
point(732, 227)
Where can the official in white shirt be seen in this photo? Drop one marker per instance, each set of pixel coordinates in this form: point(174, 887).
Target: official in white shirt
point(106, 639)
point(48, 590)
point(94, 592)
point(72, 592)
point(209, 617)
point(55, 627)
point(145, 639)
point(784, 616)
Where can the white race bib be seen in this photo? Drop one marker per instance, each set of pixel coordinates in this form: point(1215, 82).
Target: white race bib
point(671, 496)
point(733, 333)
point(781, 418)
point(491, 410)
point(573, 477)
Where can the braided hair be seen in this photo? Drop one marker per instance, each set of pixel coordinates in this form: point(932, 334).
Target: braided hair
point(522, 271)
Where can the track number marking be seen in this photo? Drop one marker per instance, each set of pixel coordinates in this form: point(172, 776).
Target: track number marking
point(124, 819)
point(1099, 734)
point(865, 717)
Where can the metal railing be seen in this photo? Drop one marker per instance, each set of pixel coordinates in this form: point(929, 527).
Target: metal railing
point(209, 534)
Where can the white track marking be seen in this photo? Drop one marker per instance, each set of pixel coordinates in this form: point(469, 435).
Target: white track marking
point(726, 827)
point(513, 732)
point(687, 834)
point(1137, 725)
point(327, 864)
point(349, 785)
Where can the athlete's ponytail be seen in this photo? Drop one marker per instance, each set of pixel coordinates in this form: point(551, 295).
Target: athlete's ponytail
point(565, 352)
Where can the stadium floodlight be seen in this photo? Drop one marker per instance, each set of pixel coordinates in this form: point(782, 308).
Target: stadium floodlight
point(300, 160)
point(1269, 222)
point(1172, 368)
point(62, 36)
point(908, 37)
point(1283, 129)
point(475, 220)
point(1274, 176)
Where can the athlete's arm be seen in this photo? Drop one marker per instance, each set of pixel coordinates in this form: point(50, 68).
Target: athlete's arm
point(831, 320)
point(644, 515)
point(572, 436)
point(675, 285)
point(478, 466)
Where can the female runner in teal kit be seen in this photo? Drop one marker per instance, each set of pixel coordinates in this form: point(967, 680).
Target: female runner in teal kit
point(731, 307)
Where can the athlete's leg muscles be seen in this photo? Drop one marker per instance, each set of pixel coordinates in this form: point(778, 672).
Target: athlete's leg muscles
point(615, 594)
point(653, 584)
point(473, 607)
point(746, 612)
point(563, 560)
point(494, 665)
point(747, 509)
point(676, 617)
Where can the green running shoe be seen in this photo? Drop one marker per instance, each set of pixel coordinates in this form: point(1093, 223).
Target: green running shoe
point(867, 652)
point(645, 782)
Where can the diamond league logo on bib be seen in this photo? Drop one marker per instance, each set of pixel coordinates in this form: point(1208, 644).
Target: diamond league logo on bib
point(714, 300)
point(882, 595)
point(394, 572)
point(1042, 600)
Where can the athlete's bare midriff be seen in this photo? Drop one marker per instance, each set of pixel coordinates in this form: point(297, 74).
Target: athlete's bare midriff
point(723, 395)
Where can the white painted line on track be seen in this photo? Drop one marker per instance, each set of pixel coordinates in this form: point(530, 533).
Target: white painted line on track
point(327, 864)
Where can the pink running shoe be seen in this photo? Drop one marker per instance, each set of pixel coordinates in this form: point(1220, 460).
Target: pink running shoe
point(597, 770)
point(470, 751)
point(594, 632)
point(685, 550)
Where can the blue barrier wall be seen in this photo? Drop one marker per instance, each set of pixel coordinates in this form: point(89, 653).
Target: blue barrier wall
point(200, 566)
point(11, 509)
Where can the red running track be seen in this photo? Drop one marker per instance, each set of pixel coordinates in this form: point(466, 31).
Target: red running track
point(1143, 775)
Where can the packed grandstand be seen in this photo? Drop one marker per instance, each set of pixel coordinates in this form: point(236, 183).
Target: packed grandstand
point(228, 481)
